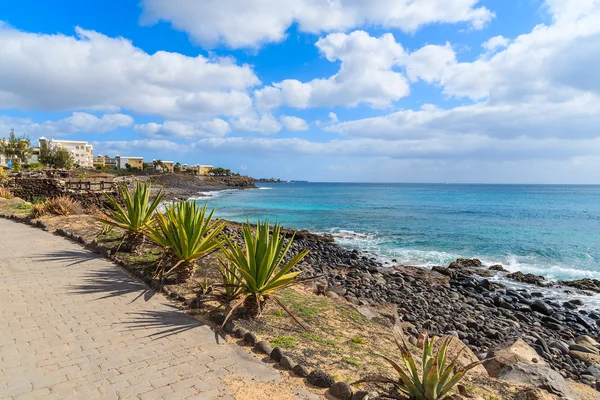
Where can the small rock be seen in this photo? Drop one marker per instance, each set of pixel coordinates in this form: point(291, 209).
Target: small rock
point(219, 318)
point(229, 327)
point(287, 363)
point(332, 295)
point(541, 307)
point(320, 379)
point(240, 333)
point(341, 390)
point(276, 354)
point(300, 370)
point(486, 284)
point(250, 338)
point(583, 349)
point(264, 347)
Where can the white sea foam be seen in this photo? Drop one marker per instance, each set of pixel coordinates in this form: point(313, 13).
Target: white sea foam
point(213, 194)
point(265, 188)
point(376, 245)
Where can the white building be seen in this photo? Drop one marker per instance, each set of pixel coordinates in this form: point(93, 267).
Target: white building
point(82, 152)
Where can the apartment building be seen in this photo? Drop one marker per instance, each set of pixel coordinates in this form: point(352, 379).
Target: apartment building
point(134, 162)
point(197, 169)
point(81, 151)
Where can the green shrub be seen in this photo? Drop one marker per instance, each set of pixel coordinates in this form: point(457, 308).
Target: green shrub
point(437, 376)
point(260, 267)
point(187, 233)
point(39, 199)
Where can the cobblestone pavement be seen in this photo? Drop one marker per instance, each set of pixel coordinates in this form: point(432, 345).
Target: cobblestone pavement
point(74, 326)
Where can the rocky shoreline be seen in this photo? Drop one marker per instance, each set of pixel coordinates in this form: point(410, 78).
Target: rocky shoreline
point(465, 301)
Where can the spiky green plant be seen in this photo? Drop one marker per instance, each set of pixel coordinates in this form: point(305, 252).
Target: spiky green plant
point(260, 267)
point(437, 375)
point(187, 233)
point(136, 216)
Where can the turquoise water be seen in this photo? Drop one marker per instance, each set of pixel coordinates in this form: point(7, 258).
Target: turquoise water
point(551, 230)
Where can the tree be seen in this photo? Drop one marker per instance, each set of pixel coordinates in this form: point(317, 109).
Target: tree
point(16, 149)
point(177, 167)
point(220, 172)
point(55, 157)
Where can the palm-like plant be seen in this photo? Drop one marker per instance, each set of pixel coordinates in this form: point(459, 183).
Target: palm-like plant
point(137, 214)
point(187, 234)
point(437, 377)
point(259, 267)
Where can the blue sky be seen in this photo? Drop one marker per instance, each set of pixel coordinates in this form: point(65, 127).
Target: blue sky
point(341, 90)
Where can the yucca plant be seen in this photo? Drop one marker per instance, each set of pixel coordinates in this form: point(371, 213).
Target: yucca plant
point(260, 267)
point(187, 233)
point(136, 216)
point(437, 375)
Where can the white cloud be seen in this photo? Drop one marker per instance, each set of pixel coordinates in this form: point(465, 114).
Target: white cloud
point(495, 43)
point(442, 147)
point(264, 124)
point(366, 75)
point(151, 145)
point(294, 124)
point(78, 122)
point(94, 71)
point(537, 66)
point(429, 62)
point(333, 117)
point(212, 128)
point(239, 23)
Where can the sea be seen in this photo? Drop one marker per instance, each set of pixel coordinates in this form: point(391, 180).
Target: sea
point(549, 230)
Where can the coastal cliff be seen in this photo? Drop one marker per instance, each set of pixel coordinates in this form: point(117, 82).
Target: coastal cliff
point(182, 186)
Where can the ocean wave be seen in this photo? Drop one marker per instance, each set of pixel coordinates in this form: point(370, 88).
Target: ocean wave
point(264, 188)
point(551, 272)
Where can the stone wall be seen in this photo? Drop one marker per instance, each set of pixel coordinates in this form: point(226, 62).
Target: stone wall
point(31, 189)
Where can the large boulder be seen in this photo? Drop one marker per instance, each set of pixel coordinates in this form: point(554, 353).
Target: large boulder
point(527, 278)
point(465, 356)
point(462, 263)
point(537, 376)
point(519, 352)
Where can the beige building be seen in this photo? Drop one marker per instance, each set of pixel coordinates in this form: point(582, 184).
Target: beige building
point(81, 151)
point(163, 166)
point(197, 169)
point(134, 162)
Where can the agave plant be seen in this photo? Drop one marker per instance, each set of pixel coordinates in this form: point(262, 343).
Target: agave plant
point(437, 375)
point(259, 267)
point(187, 234)
point(136, 216)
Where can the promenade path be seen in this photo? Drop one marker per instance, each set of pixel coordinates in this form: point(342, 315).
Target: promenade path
point(74, 326)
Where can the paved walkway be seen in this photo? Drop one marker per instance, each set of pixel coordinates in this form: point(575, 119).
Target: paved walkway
point(74, 326)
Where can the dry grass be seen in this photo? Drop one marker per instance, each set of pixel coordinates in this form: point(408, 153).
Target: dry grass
point(5, 193)
point(63, 205)
point(14, 206)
